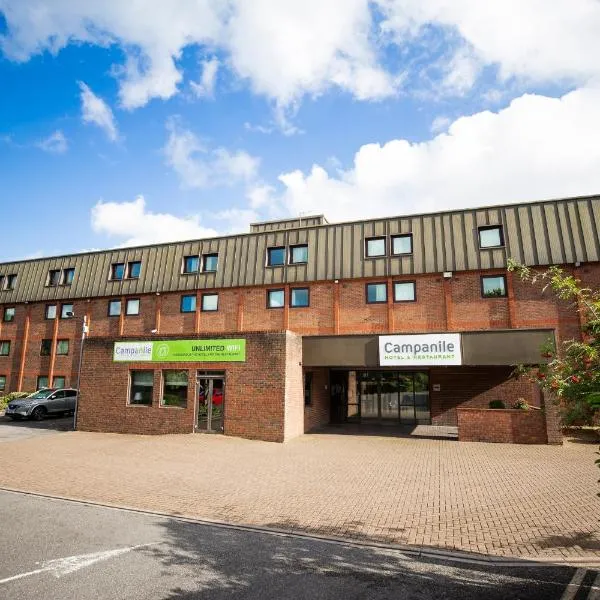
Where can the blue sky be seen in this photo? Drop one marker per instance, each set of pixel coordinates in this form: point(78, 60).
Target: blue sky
point(117, 130)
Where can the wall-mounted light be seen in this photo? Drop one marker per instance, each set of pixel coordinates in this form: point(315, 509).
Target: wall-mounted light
point(577, 264)
point(447, 274)
point(154, 331)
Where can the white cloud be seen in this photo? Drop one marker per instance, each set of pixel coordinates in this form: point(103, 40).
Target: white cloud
point(135, 224)
point(440, 124)
point(288, 49)
point(55, 143)
point(284, 49)
point(205, 88)
point(538, 147)
point(95, 110)
point(532, 39)
point(199, 166)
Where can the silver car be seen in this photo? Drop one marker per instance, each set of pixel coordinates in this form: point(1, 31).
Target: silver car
point(49, 401)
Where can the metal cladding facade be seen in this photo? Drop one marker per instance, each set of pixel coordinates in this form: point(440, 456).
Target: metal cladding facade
point(537, 234)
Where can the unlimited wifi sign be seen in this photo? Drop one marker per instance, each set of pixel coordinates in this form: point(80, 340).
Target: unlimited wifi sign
point(233, 350)
point(424, 350)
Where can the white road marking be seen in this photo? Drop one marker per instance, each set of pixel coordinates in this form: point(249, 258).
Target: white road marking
point(573, 587)
point(70, 564)
point(595, 589)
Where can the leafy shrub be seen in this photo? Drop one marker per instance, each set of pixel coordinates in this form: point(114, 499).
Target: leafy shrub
point(4, 400)
point(521, 404)
point(497, 404)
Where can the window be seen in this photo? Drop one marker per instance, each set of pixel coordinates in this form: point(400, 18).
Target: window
point(402, 244)
point(299, 297)
point(188, 303)
point(190, 264)
point(141, 387)
point(51, 311)
point(299, 254)
point(2, 282)
point(9, 314)
point(405, 291)
point(210, 263)
point(175, 389)
point(275, 298)
point(66, 311)
point(210, 302)
point(308, 377)
point(68, 276)
point(42, 382)
point(134, 269)
point(46, 348)
point(117, 271)
point(59, 382)
point(5, 348)
point(491, 237)
point(11, 282)
point(275, 256)
point(375, 247)
point(493, 286)
point(2, 383)
point(62, 347)
point(53, 277)
point(132, 307)
point(114, 308)
point(376, 292)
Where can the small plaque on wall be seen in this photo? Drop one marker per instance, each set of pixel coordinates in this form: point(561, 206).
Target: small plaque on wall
point(437, 387)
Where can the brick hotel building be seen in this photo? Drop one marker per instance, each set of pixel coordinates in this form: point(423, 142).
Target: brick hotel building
point(300, 323)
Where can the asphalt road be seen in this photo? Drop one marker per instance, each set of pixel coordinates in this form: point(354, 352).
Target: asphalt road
point(11, 431)
point(54, 549)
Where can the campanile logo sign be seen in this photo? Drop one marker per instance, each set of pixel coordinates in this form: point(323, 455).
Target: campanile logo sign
point(420, 350)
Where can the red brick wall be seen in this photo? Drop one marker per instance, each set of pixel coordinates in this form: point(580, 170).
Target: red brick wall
point(316, 414)
point(465, 310)
point(428, 313)
point(505, 426)
point(356, 316)
point(475, 387)
point(255, 391)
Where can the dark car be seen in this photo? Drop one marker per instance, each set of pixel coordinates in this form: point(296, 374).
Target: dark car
point(49, 401)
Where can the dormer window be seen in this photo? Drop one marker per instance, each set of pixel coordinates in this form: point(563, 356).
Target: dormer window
point(491, 236)
point(117, 271)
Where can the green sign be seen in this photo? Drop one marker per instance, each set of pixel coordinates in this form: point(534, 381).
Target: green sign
point(181, 351)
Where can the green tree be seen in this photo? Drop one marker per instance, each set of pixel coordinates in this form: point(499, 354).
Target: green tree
point(572, 371)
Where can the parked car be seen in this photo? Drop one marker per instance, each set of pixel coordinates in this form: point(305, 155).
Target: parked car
point(48, 401)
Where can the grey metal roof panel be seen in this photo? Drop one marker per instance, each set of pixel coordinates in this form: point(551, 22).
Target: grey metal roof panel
point(560, 231)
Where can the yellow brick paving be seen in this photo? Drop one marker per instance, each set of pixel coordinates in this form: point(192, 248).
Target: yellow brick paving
point(503, 500)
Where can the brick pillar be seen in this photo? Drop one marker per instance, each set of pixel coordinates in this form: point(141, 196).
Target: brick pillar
point(336, 307)
point(448, 302)
point(553, 418)
point(24, 350)
point(390, 306)
point(510, 292)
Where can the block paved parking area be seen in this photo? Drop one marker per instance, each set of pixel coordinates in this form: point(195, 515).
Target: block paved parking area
point(505, 500)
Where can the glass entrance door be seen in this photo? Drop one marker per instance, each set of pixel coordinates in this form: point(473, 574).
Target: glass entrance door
point(393, 397)
point(211, 403)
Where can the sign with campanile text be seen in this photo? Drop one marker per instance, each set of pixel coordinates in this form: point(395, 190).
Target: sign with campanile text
point(230, 350)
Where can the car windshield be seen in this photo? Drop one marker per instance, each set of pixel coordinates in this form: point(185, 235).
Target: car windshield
point(41, 394)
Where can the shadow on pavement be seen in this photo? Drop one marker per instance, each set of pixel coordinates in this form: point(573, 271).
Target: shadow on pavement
point(51, 422)
point(231, 563)
point(432, 432)
point(584, 540)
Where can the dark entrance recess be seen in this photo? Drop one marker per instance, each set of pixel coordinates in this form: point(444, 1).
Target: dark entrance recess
point(380, 397)
point(338, 385)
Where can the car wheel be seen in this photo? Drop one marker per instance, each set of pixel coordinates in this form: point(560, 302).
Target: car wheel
point(14, 418)
point(39, 412)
